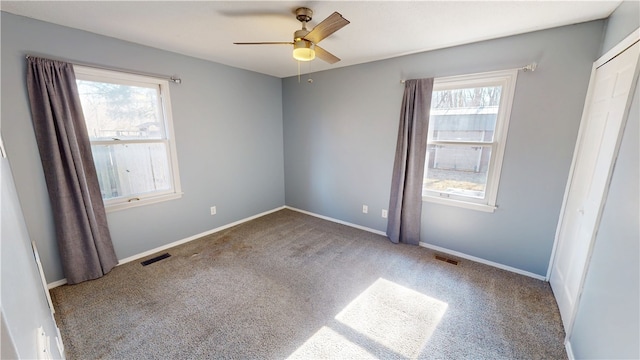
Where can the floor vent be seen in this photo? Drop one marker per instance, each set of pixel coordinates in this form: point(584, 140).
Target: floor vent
point(155, 259)
point(450, 261)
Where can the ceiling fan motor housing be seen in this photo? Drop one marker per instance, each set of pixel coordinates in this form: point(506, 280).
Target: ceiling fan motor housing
point(304, 14)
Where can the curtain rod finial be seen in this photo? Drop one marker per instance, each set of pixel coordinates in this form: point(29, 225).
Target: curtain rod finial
point(531, 67)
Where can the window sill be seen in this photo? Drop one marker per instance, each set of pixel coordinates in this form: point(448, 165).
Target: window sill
point(142, 202)
point(459, 203)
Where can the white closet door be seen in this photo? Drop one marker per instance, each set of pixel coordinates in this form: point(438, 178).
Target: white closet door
point(600, 131)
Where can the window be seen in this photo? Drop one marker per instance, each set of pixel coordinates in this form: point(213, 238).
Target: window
point(467, 131)
point(128, 118)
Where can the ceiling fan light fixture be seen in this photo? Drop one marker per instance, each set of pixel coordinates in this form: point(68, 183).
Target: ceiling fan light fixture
point(304, 40)
point(303, 50)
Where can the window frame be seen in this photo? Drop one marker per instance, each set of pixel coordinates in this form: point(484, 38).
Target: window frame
point(507, 79)
point(162, 86)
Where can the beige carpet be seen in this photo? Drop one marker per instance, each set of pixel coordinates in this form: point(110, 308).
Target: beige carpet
point(288, 285)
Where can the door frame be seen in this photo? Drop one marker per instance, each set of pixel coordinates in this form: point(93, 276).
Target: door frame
point(627, 42)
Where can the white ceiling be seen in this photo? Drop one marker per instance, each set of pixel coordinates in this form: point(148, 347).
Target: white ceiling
point(378, 29)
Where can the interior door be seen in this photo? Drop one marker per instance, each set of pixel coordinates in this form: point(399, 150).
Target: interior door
point(593, 159)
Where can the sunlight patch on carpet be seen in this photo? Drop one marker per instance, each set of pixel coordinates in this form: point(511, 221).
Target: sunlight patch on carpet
point(329, 344)
point(385, 320)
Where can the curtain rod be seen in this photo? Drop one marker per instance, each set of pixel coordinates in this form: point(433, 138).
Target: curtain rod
point(173, 79)
point(531, 67)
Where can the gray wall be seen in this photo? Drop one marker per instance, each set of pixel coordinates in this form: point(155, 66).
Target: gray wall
point(607, 325)
point(339, 139)
point(340, 133)
point(621, 23)
point(228, 128)
point(23, 301)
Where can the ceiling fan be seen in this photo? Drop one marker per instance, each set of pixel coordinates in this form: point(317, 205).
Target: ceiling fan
point(305, 42)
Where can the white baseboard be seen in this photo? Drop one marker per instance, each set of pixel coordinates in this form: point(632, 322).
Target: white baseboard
point(57, 283)
point(209, 232)
point(482, 261)
point(429, 246)
point(176, 243)
point(567, 346)
point(338, 221)
point(194, 237)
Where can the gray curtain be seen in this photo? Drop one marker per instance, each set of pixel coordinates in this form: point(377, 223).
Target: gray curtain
point(405, 205)
point(84, 242)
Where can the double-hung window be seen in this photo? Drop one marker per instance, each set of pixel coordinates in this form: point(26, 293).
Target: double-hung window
point(128, 119)
point(468, 125)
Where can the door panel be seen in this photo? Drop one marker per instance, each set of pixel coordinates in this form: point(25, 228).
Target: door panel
point(593, 159)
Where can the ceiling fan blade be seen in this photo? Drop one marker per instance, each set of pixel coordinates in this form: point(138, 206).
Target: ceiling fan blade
point(327, 27)
point(325, 55)
point(265, 43)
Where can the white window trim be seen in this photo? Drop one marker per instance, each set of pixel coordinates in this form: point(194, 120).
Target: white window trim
point(94, 74)
point(506, 78)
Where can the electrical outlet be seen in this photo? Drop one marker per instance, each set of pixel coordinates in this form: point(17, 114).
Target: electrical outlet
point(365, 209)
point(213, 210)
point(384, 213)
